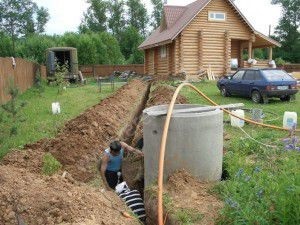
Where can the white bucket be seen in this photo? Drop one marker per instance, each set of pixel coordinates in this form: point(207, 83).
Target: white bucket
point(55, 108)
point(236, 122)
point(289, 119)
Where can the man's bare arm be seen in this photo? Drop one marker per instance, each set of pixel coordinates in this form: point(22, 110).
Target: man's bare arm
point(128, 148)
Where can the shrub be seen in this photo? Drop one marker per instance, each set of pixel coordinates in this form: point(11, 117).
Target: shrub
point(12, 108)
point(280, 62)
point(50, 164)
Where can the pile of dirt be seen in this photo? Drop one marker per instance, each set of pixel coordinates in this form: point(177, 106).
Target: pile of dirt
point(80, 143)
point(189, 193)
point(184, 192)
point(160, 95)
point(27, 198)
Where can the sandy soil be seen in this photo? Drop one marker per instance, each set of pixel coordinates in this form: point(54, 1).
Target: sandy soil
point(28, 197)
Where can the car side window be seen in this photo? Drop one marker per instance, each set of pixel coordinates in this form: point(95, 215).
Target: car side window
point(257, 76)
point(250, 75)
point(239, 75)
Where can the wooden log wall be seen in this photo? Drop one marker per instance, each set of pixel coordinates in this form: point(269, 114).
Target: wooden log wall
point(213, 38)
point(227, 50)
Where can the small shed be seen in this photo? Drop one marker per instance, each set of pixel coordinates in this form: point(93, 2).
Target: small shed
point(62, 55)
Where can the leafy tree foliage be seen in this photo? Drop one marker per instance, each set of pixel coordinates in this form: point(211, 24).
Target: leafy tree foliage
point(138, 16)
point(287, 32)
point(34, 46)
point(157, 12)
point(21, 17)
point(95, 19)
point(130, 40)
point(5, 45)
point(116, 21)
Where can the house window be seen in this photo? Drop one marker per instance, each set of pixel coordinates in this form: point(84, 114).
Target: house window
point(217, 16)
point(163, 51)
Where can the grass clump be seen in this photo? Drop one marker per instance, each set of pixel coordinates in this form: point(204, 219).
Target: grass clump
point(188, 216)
point(50, 164)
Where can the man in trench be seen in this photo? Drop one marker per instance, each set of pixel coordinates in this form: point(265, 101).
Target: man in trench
point(110, 163)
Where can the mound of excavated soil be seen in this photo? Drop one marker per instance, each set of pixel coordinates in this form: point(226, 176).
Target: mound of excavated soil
point(35, 199)
point(161, 95)
point(82, 140)
point(188, 193)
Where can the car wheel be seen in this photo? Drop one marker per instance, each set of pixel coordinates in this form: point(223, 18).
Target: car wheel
point(224, 91)
point(256, 97)
point(285, 98)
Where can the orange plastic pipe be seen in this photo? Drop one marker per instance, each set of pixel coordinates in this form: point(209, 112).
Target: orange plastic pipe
point(164, 141)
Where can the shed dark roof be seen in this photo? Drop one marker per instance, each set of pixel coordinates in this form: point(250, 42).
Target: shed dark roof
point(176, 19)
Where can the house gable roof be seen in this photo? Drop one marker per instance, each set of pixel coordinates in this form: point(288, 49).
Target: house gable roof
point(176, 18)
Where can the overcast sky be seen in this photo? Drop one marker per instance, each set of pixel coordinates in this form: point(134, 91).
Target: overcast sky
point(67, 14)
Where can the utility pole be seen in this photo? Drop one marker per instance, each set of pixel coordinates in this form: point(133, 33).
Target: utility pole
point(270, 30)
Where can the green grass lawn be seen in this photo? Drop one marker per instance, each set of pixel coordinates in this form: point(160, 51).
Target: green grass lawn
point(264, 182)
point(36, 120)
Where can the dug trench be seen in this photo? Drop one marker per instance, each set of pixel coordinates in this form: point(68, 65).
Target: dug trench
point(27, 196)
point(30, 197)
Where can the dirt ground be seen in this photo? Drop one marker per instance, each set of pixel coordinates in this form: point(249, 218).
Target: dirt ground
point(184, 192)
point(188, 193)
point(82, 140)
point(35, 200)
point(28, 196)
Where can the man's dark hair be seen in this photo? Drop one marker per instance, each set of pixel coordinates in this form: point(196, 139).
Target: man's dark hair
point(115, 146)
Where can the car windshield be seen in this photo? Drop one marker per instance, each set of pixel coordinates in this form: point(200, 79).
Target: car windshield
point(277, 75)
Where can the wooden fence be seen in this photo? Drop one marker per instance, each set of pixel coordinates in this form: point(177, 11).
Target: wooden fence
point(106, 70)
point(22, 74)
point(292, 68)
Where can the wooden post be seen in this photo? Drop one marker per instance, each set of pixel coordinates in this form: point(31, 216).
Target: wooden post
point(154, 66)
point(168, 59)
point(175, 58)
point(227, 52)
point(145, 61)
point(249, 49)
point(181, 54)
point(270, 53)
point(241, 61)
point(200, 50)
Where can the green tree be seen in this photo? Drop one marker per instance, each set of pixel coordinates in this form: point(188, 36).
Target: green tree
point(287, 32)
point(130, 40)
point(5, 45)
point(116, 21)
point(137, 16)
point(19, 17)
point(42, 17)
point(157, 13)
point(113, 49)
point(95, 19)
point(33, 47)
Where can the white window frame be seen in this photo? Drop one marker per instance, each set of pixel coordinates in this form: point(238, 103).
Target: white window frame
point(163, 51)
point(212, 16)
